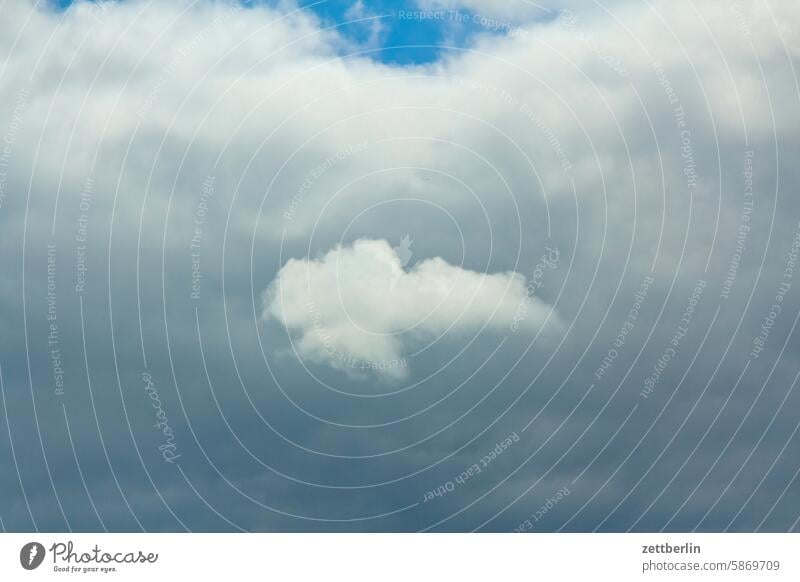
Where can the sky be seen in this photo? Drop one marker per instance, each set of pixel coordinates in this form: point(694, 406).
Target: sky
point(399, 266)
point(382, 26)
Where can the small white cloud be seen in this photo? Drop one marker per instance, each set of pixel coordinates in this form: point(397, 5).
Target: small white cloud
point(511, 11)
point(358, 308)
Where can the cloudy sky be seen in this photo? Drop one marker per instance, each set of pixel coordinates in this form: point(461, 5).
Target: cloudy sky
point(441, 265)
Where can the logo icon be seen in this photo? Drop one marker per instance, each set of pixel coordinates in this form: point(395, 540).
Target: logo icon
point(31, 555)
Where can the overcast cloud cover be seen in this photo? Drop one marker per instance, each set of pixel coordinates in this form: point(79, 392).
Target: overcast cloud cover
point(262, 272)
point(355, 304)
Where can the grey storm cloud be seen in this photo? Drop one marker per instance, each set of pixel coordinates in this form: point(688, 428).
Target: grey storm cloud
point(354, 305)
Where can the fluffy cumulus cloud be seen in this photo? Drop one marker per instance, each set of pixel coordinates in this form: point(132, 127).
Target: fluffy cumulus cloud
point(502, 16)
point(359, 303)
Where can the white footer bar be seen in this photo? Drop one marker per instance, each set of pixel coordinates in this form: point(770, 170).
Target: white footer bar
point(379, 557)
